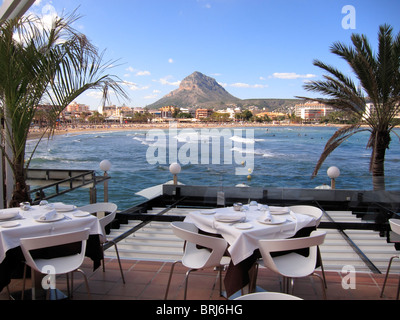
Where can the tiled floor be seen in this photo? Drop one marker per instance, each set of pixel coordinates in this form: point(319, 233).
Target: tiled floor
point(147, 280)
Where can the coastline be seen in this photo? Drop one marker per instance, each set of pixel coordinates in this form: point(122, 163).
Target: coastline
point(37, 133)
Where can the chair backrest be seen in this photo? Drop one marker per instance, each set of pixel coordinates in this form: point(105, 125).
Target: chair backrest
point(267, 296)
point(29, 244)
point(268, 246)
point(395, 225)
point(309, 211)
point(189, 232)
point(106, 207)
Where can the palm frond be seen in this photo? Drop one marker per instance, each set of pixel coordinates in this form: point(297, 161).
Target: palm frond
point(335, 141)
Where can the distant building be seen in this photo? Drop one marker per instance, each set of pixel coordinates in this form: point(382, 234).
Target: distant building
point(271, 115)
point(203, 113)
point(167, 112)
point(75, 107)
point(312, 111)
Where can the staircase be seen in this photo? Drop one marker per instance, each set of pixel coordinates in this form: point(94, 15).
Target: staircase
point(336, 251)
point(157, 242)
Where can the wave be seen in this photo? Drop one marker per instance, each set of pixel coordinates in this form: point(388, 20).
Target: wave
point(245, 140)
point(145, 141)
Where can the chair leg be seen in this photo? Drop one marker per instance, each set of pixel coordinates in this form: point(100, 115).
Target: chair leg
point(220, 280)
point(119, 262)
point(322, 266)
point(169, 280)
point(23, 283)
point(322, 282)
point(186, 282)
point(287, 285)
point(86, 281)
point(387, 274)
point(68, 288)
point(10, 297)
point(398, 289)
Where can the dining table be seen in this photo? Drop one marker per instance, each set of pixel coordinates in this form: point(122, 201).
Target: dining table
point(41, 220)
point(242, 227)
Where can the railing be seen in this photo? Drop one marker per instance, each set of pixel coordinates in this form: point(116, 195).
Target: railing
point(375, 221)
point(58, 182)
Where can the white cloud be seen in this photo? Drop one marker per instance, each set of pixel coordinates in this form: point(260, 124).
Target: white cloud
point(134, 86)
point(292, 75)
point(143, 73)
point(170, 60)
point(138, 72)
point(166, 81)
point(246, 85)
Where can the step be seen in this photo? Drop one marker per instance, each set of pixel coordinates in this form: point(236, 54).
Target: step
point(156, 241)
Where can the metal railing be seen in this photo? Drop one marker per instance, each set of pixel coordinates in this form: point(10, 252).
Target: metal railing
point(58, 182)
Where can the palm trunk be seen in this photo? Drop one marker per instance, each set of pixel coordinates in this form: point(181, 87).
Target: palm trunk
point(381, 143)
point(21, 189)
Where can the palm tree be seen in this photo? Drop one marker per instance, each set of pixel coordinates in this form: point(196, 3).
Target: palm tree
point(41, 64)
point(378, 75)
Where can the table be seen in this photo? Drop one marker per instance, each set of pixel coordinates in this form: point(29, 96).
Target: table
point(27, 224)
point(243, 243)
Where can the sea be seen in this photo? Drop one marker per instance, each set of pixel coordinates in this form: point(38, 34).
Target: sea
point(275, 156)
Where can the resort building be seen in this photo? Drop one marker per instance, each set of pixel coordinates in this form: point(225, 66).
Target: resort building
point(167, 112)
point(312, 111)
point(203, 113)
point(75, 107)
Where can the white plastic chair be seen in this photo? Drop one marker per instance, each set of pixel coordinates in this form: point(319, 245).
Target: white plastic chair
point(309, 211)
point(395, 226)
point(59, 265)
point(111, 209)
point(267, 296)
point(195, 258)
point(292, 265)
point(317, 214)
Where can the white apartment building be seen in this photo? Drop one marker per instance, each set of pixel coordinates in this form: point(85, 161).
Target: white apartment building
point(312, 111)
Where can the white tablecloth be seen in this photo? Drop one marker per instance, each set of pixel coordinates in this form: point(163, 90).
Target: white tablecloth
point(242, 243)
point(29, 227)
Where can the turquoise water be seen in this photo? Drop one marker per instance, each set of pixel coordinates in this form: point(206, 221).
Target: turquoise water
point(276, 157)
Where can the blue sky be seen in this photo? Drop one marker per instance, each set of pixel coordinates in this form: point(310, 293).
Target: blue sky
point(254, 48)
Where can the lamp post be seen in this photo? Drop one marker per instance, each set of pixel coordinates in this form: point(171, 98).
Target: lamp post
point(333, 173)
point(105, 166)
point(175, 168)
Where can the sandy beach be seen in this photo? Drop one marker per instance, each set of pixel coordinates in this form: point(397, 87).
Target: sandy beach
point(36, 133)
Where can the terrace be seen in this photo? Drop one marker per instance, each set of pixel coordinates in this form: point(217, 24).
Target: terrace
point(357, 235)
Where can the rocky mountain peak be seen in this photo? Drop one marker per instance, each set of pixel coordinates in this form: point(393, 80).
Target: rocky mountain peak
point(196, 89)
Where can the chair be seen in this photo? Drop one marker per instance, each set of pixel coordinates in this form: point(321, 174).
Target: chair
point(292, 265)
point(111, 209)
point(59, 265)
point(267, 296)
point(395, 227)
point(317, 214)
point(196, 258)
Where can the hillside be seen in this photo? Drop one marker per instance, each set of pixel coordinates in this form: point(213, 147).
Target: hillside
point(199, 90)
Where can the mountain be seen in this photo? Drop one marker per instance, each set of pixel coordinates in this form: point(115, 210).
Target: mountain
point(196, 90)
point(200, 90)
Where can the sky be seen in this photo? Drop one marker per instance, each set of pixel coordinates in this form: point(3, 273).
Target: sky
point(253, 48)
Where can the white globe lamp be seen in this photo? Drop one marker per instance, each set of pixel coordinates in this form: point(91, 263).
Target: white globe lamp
point(333, 173)
point(105, 166)
point(175, 169)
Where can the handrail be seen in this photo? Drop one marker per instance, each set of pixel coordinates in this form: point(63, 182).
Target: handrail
point(76, 178)
point(126, 234)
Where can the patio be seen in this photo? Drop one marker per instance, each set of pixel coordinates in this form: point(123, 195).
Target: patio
point(147, 280)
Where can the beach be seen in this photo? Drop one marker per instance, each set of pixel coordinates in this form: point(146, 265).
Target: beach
point(36, 133)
